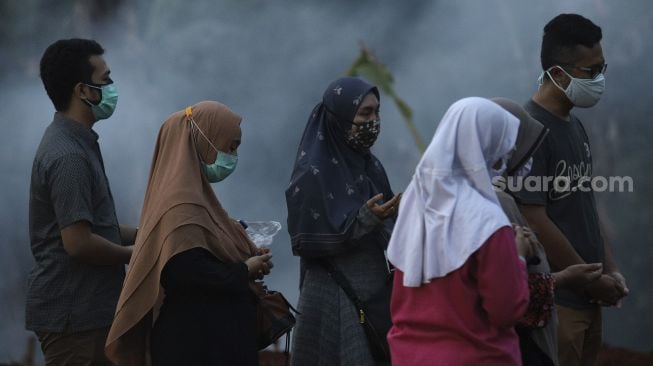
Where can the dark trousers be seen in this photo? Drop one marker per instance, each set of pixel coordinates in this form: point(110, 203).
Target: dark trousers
point(531, 354)
point(75, 349)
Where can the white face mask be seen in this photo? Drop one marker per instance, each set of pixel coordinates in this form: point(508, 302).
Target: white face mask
point(582, 93)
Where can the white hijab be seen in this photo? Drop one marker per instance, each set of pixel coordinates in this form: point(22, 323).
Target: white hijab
point(450, 208)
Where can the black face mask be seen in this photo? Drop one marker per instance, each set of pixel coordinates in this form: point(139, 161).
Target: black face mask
point(365, 135)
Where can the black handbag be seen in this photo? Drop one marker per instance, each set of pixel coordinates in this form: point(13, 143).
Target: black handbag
point(373, 315)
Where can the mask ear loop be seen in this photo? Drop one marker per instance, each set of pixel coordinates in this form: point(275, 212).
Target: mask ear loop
point(540, 80)
point(87, 101)
point(189, 115)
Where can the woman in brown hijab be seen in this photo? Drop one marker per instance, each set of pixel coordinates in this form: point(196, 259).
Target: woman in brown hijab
point(186, 299)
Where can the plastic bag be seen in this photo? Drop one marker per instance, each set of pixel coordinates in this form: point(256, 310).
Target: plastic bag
point(262, 232)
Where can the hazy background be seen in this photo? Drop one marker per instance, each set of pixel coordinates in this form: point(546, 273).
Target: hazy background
point(270, 62)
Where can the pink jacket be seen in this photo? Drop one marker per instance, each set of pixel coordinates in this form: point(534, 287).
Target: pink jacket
point(466, 317)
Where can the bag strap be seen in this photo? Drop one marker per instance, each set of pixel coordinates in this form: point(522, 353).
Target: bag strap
point(344, 283)
point(265, 291)
point(286, 351)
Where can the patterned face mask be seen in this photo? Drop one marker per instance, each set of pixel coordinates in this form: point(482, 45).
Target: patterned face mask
point(365, 135)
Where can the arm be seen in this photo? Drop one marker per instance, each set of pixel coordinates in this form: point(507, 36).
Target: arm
point(573, 277)
point(532, 203)
point(577, 276)
point(128, 234)
point(540, 304)
point(622, 287)
point(365, 222)
point(562, 255)
point(610, 264)
point(611, 268)
point(198, 270)
point(559, 251)
point(71, 184)
point(371, 215)
point(81, 244)
point(502, 280)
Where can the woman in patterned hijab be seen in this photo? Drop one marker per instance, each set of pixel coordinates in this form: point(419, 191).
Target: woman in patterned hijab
point(341, 209)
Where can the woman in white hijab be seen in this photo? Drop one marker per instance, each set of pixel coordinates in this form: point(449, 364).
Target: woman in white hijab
point(460, 284)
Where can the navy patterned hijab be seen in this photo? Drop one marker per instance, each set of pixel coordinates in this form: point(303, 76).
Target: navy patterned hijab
point(331, 181)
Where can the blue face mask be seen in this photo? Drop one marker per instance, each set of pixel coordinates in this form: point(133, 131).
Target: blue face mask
point(223, 166)
point(107, 104)
point(224, 163)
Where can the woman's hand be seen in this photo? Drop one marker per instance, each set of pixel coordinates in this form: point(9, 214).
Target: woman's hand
point(523, 244)
point(385, 210)
point(524, 240)
point(259, 265)
point(262, 250)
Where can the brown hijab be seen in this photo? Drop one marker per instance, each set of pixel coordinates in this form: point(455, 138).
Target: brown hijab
point(180, 212)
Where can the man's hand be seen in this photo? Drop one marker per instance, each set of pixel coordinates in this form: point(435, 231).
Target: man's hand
point(577, 276)
point(621, 283)
point(385, 210)
point(604, 291)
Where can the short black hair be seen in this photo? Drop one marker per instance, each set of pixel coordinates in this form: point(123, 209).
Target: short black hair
point(562, 34)
point(64, 64)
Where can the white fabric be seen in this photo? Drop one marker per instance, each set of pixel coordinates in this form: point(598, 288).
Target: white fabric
point(450, 209)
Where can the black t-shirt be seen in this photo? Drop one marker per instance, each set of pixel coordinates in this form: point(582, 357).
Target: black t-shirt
point(563, 168)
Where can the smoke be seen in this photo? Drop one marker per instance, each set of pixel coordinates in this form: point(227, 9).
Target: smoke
point(270, 62)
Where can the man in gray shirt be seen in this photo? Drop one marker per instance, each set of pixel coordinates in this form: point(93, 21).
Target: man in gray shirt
point(564, 210)
point(78, 246)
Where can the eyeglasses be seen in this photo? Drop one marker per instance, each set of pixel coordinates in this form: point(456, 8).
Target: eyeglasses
point(592, 71)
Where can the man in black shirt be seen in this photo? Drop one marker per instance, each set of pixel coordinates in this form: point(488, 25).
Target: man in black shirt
point(562, 206)
point(78, 246)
